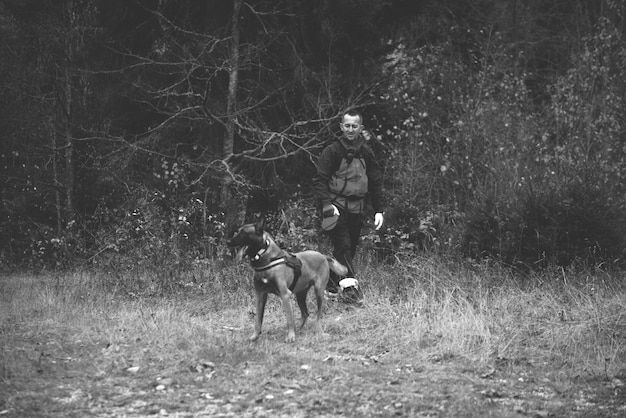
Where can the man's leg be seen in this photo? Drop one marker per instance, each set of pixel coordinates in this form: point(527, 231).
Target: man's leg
point(342, 248)
point(353, 294)
point(345, 239)
point(355, 223)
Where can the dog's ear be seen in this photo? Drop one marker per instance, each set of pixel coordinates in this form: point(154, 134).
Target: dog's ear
point(260, 225)
point(241, 253)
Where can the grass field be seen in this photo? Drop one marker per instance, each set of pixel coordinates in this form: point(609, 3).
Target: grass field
point(432, 340)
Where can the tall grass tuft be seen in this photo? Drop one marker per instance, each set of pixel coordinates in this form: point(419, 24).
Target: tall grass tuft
point(489, 316)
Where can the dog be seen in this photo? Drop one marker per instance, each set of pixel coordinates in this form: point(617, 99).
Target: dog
point(281, 273)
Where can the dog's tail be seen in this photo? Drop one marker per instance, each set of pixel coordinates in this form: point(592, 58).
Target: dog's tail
point(336, 267)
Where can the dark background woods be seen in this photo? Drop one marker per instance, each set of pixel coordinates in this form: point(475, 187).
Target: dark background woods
point(139, 133)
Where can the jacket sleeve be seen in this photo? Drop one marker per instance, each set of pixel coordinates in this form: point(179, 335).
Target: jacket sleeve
point(325, 169)
point(375, 182)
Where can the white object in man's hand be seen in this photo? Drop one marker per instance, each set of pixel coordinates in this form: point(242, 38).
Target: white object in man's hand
point(378, 220)
point(327, 210)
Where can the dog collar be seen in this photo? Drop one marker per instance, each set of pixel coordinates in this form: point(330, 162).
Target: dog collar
point(262, 251)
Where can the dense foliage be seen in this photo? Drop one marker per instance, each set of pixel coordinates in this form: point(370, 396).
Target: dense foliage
point(137, 134)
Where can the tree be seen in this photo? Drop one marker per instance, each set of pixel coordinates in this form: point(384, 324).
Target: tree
point(44, 84)
point(262, 117)
point(231, 110)
point(151, 124)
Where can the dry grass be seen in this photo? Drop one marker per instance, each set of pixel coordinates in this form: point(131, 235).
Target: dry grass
point(421, 313)
point(412, 311)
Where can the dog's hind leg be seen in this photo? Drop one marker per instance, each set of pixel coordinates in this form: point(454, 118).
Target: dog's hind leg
point(304, 312)
point(319, 298)
point(261, 300)
point(320, 287)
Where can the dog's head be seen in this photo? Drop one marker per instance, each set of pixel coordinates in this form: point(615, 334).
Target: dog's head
point(248, 239)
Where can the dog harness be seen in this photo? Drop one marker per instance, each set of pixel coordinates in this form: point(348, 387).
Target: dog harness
point(289, 259)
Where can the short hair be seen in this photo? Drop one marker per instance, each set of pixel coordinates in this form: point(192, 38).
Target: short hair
point(353, 112)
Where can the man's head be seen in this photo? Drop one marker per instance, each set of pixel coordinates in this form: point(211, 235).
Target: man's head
point(351, 125)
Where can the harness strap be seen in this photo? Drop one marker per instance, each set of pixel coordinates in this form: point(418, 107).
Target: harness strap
point(291, 261)
point(272, 263)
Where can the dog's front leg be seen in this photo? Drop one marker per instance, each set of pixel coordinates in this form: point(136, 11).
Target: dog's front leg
point(285, 296)
point(261, 300)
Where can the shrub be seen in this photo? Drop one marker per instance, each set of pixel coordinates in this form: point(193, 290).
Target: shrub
point(550, 222)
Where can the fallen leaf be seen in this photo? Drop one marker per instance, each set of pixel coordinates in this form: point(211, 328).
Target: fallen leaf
point(229, 328)
point(290, 385)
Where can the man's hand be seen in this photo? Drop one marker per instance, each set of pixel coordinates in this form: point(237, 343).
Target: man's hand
point(379, 219)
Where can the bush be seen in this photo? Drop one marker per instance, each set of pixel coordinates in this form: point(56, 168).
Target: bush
point(559, 223)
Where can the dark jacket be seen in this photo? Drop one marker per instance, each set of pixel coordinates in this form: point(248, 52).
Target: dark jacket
point(330, 161)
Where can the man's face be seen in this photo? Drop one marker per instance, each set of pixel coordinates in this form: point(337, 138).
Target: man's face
point(351, 127)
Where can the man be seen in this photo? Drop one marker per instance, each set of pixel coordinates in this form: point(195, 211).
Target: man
point(348, 173)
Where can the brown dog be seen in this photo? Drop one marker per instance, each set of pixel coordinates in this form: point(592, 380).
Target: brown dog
point(282, 274)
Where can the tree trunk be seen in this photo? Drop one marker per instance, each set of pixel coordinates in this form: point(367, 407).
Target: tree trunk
point(67, 108)
point(55, 179)
point(227, 200)
point(69, 151)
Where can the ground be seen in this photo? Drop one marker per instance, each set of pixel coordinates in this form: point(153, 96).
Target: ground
point(52, 373)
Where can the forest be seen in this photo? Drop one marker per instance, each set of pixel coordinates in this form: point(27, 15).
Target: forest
point(140, 133)
point(137, 135)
